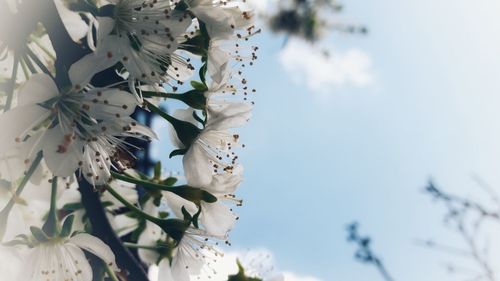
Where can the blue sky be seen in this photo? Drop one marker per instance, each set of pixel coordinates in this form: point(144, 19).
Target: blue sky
point(316, 161)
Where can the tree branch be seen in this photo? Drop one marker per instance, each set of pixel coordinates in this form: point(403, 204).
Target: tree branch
point(103, 230)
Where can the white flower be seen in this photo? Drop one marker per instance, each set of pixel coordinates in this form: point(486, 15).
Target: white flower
point(212, 151)
point(162, 272)
point(210, 162)
point(81, 127)
point(218, 67)
point(64, 259)
point(221, 20)
point(10, 262)
point(193, 254)
point(144, 37)
point(216, 218)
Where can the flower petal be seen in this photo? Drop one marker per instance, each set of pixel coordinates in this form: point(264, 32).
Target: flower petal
point(39, 88)
point(217, 64)
point(224, 115)
point(76, 27)
point(82, 71)
point(197, 166)
point(62, 154)
point(95, 246)
point(175, 203)
point(17, 122)
point(106, 104)
point(165, 271)
point(226, 183)
point(217, 218)
point(187, 261)
point(217, 22)
point(78, 264)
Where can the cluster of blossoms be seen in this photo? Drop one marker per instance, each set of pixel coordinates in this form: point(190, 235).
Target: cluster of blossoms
point(78, 81)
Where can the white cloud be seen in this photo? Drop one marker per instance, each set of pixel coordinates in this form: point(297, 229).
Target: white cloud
point(289, 276)
point(309, 64)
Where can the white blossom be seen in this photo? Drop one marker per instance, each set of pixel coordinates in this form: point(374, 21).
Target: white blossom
point(221, 20)
point(212, 151)
point(144, 37)
point(81, 127)
point(64, 259)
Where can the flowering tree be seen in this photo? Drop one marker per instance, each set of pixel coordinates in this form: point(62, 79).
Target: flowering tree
point(80, 80)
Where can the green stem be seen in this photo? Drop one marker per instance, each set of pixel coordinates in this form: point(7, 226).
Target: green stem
point(145, 184)
point(10, 91)
point(186, 131)
point(110, 272)
point(30, 66)
point(52, 224)
point(25, 69)
point(149, 94)
point(175, 228)
point(4, 214)
point(42, 47)
point(187, 192)
point(131, 206)
point(38, 62)
point(162, 113)
point(136, 246)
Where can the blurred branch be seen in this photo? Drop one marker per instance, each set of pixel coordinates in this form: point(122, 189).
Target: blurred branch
point(365, 253)
point(467, 216)
point(310, 20)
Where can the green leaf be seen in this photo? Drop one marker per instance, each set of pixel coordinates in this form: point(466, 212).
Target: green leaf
point(186, 214)
point(163, 215)
point(193, 194)
point(203, 72)
point(39, 235)
point(170, 181)
point(196, 216)
point(175, 228)
point(73, 206)
point(190, 193)
point(177, 152)
point(135, 235)
point(67, 226)
point(16, 242)
point(197, 45)
point(157, 170)
point(198, 118)
point(199, 86)
point(20, 239)
point(240, 276)
point(194, 98)
point(157, 200)
point(84, 6)
point(181, 6)
point(186, 132)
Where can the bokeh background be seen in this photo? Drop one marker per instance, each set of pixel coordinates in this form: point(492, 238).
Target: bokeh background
point(353, 127)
